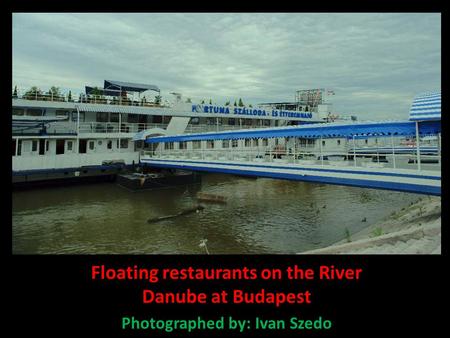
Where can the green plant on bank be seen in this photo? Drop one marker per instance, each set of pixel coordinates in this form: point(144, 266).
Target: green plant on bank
point(421, 210)
point(210, 101)
point(158, 99)
point(227, 103)
point(347, 235)
point(203, 101)
point(241, 104)
point(377, 232)
point(188, 100)
point(69, 97)
point(235, 104)
point(15, 92)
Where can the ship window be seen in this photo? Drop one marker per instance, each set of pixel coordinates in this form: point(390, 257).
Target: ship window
point(168, 145)
point(34, 145)
point(195, 120)
point(210, 144)
point(323, 143)
point(182, 145)
point(156, 119)
point(69, 145)
point(59, 147)
point(266, 122)
point(311, 142)
point(231, 122)
point(14, 147)
point(255, 142)
point(114, 117)
point(123, 143)
point(366, 141)
point(248, 122)
point(34, 112)
point(18, 111)
point(234, 143)
point(62, 113)
point(109, 145)
point(74, 116)
point(248, 142)
point(133, 118)
point(276, 141)
point(225, 143)
point(102, 117)
point(338, 142)
point(196, 145)
point(46, 145)
point(265, 142)
point(91, 145)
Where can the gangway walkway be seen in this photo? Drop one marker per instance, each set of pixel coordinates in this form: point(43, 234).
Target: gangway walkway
point(395, 155)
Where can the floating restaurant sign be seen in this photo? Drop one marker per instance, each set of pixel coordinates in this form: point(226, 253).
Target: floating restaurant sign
point(209, 109)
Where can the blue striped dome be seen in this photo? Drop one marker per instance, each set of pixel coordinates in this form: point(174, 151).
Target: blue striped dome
point(426, 107)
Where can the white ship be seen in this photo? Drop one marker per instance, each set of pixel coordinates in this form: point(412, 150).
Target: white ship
point(64, 136)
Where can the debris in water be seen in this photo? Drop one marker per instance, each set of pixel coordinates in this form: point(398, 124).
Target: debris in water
point(202, 196)
point(197, 209)
point(203, 245)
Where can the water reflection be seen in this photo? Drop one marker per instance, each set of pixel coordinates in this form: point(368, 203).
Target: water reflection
point(261, 216)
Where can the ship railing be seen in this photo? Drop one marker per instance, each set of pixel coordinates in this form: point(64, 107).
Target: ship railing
point(58, 96)
point(200, 128)
point(115, 127)
point(298, 156)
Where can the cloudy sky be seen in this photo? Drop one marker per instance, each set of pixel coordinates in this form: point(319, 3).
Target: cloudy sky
point(375, 63)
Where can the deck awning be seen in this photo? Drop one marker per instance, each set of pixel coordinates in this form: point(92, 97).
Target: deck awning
point(328, 130)
point(144, 134)
point(426, 107)
point(100, 91)
point(129, 86)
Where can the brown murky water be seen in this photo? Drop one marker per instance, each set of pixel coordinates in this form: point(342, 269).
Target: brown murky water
point(261, 216)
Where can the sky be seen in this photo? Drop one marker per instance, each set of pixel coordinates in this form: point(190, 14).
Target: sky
point(374, 62)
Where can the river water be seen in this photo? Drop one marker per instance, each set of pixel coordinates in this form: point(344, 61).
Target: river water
point(260, 216)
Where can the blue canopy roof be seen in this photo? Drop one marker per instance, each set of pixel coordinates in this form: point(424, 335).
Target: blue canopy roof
point(327, 130)
point(129, 86)
point(426, 107)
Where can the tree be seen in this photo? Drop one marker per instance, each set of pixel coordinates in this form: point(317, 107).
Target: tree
point(210, 101)
point(15, 93)
point(54, 92)
point(158, 99)
point(203, 101)
point(250, 106)
point(96, 92)
point(227, 103)
point(235, 103)
point(241, 104)
point(188, 100)
point(69, 97)
point(33, 93)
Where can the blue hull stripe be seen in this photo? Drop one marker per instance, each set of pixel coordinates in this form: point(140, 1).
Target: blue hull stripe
point(412, 188)
point(306, 169)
